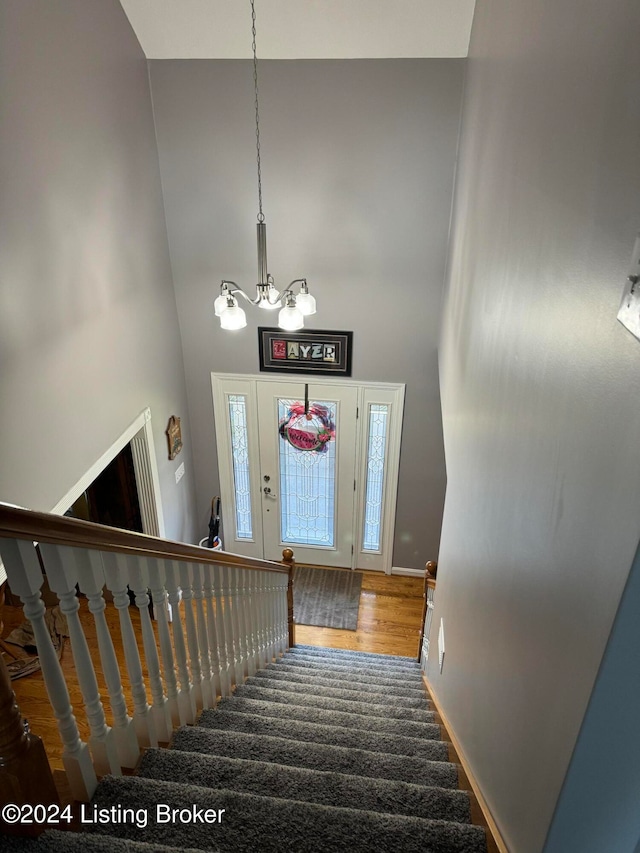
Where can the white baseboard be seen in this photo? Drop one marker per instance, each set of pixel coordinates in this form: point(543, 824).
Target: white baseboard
point(409, 573)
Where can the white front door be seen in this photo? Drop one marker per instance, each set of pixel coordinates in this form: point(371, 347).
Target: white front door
point(309, 465)
point(307, 435)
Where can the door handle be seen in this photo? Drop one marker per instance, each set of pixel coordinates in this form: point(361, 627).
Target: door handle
point(269, 493)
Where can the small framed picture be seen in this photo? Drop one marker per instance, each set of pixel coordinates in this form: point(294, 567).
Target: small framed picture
point(317, 351)
point(174, 437)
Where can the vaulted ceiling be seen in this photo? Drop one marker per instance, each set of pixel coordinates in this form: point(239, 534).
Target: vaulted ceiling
point(302, 29)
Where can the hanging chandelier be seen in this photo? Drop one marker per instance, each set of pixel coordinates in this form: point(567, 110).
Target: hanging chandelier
point(293, 306)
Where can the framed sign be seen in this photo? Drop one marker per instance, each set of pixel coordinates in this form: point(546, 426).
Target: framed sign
point(174, 436)
point(316, 351)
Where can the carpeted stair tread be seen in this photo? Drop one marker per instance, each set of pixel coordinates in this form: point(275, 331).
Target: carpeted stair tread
point(330, 666)
point(256, 724)
point(336, 692)
point(297, 783)
point(284, 697)
point(338, 759)
point(309, 714)
point(56, 841)
point(362, 676)
point(373, 686)
point(301, 648)
point(253, 823)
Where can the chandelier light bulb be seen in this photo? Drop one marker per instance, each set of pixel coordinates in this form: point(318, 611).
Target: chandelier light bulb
point(270, 299)
point(290, 319)
point(220, 304)
point(305, 301)
point(233, 317)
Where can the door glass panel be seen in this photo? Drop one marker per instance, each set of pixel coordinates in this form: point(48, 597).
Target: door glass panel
point(240, 456)
point(307, 477)
point(377, 441)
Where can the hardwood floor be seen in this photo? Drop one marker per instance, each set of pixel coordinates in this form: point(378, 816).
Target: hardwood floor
point(388, 623)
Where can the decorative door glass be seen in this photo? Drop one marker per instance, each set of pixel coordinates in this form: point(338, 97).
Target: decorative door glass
point(240, 457)
point(307, 469)
point(376, 454)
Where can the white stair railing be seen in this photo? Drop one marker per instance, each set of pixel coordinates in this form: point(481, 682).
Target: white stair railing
point(187, 693)
point(230, 616)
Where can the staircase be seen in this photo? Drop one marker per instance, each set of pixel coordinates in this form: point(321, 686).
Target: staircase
point(325, 750)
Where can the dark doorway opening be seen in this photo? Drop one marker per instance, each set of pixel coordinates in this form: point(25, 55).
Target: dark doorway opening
point(112, 498)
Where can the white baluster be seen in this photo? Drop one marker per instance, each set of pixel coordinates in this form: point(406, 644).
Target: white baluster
point(255, 615)
point(140, 570)
point(116, 573)
point(192, 634)
point(241, 600)
point(212, 634)
point(273, 651)
point(248, 600)
point(276, 616)
point(221, 631)
point(92, 580)
point(240, 644)
point(160, 609)
point(25, 577)
point(186, 694)
point(279, 632)
point(62, 574)
point(262, 608)
point(208, 679)
point(284, 627)
point(228, 625)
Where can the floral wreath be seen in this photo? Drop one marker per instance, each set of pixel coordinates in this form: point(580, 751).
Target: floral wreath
point(294, 427)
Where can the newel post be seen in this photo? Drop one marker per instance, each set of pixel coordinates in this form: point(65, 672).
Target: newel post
point(290, 563)
point(25, 775)
point(430, 572)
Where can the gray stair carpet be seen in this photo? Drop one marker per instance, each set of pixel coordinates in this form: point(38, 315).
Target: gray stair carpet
point(434, 750)
point(323, 751)
point(309, 714)
point(405, 676)
point(345, 674)
point(57, 841)
point(309, 785)
point(330, 703)
point(364, 657)
point(315, 689)
point(363, 683)
point(285, 750)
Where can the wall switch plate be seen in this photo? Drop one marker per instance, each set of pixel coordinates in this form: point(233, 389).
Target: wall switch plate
point(441, 645)
point(629, 313)
point(179, 472)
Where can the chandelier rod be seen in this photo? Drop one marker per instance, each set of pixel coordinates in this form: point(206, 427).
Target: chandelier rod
point(255, 89)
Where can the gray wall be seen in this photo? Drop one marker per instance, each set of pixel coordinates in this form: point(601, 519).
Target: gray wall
point(88, 327)
point(540, 395)
point(357, 166)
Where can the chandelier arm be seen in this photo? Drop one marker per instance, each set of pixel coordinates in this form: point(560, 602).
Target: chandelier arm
point(289, 288)
point(239, 290)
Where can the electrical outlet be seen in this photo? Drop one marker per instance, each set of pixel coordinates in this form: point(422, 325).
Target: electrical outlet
point(441, 645)
point(629, 313)
point(179, 472)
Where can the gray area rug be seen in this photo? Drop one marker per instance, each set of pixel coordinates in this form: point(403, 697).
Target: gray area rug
point(328, 598)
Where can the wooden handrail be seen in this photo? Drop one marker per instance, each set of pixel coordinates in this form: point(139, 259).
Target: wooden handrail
point(430, 572)
point(61, 530)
